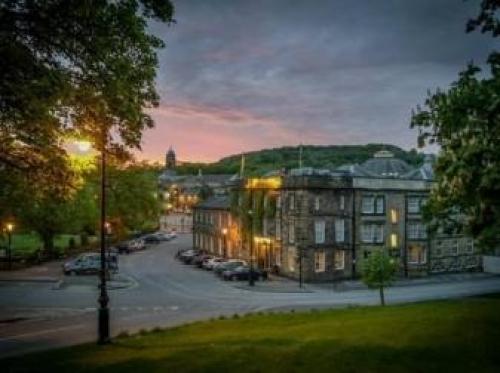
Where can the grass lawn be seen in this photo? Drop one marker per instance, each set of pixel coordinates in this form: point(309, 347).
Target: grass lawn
point(27, 243)
point(445, 336)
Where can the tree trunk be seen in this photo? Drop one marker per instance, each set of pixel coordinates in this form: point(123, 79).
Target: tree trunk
point(48, 245)
point(382, 299)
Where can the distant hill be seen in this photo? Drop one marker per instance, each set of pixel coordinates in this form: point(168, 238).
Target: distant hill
point(328, 156)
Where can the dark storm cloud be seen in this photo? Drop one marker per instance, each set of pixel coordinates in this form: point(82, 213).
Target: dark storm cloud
point(350, 71)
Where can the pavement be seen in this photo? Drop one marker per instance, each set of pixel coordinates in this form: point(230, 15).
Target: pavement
point(41, 309)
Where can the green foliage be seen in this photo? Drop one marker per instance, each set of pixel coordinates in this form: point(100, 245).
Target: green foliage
point(465, 122)
point(332, 156)
point(379, 271)
point(71, 66)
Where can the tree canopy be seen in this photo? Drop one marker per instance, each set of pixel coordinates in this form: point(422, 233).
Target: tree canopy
point(465, 122)
point(72, 66)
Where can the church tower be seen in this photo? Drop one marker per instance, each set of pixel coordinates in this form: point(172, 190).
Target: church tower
point(170, 161)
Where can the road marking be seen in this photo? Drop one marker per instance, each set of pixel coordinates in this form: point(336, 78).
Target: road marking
point(157, 309)
point(41, 332)
point(124, 308)
point(90, 309)
point(174, 308)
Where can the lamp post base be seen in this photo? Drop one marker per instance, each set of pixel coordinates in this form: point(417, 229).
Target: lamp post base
point(103, 326)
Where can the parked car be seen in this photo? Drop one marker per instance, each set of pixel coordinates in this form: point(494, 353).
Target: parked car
point(137, 245)
point(229, 265)
point(188, 256)
point(199, 259)
point(242, 273)
point(211, 263)
point(123, 247)
point(151, 239)
point(89, 263)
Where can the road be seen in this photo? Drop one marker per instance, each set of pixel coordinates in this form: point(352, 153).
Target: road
point(163, 292)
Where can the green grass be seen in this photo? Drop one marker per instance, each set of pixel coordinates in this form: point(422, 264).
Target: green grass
point(28, 243)
point(446, 336)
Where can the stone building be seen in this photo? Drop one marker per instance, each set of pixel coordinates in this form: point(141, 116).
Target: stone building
point(179, 193)
point(325, 223)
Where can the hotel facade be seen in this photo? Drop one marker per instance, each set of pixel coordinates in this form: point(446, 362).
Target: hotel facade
point(321, 224)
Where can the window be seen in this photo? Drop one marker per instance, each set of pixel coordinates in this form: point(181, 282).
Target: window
point(291, 259)
point(372, 233)
point(278, 229)
point(373, 205)
point(394, 240)
point(339, 259)
point(394, 216)
point(278, 202)
point(319, 261)
point(291, 232)
point(416, 231)
point(415, 204)
point(342, 202)
point(291, 202)
point(454, 247)
point(316, 203)
point(319, 231)
point(367, 205)
point(416, 254)
point(339, 230)
point(380, 205)
point(469, 246)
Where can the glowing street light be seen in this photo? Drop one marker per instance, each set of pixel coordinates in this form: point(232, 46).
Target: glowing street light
point(9, 227)
point(83, 145)
point(224, 233)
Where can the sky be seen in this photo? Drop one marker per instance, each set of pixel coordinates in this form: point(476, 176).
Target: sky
point(239, 75)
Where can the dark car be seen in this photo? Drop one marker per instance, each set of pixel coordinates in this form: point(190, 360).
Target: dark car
point(89, 264)
point(151, 239)
point(188, 256)
point(123, 248)
point(242, 273)
point(229, 265)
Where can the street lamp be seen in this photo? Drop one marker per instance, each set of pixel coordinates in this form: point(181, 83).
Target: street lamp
point(224, 233)
point(250, 277)
point(9, 227)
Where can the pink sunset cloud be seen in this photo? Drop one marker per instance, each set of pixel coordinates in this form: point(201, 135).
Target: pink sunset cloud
point(202, 133)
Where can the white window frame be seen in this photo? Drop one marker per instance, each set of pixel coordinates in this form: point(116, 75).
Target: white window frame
point(367, 204)
point(339, 230)
point(317, 203)
point(414, 205)
point(319, 231)
point(342, 202)
point(336, 261)
point(319, 261)
point(379, 207)
point(372, 233)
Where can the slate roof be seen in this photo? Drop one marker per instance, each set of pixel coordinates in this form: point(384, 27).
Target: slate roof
point(215, 203)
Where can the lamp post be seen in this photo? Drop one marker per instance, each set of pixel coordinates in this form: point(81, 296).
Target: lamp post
point(9, 228)
point(103, 323)
point(250, 277)
point(224, 233)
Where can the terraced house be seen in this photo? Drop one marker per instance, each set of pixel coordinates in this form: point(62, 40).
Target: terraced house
point(322, 224)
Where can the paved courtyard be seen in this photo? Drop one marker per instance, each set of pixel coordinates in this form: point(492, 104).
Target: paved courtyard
point(40, 308)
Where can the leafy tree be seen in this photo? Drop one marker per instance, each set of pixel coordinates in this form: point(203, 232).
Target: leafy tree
point(379, 270)
point(465, 121)
point(74, 66)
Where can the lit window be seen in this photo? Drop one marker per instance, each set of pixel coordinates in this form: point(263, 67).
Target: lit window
point(319, 231)
point(291, 259)
point(394, 216)
point(394, 240)
point(319, 261)
point(417, 254)
point(339, 230)
point(339, 259)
